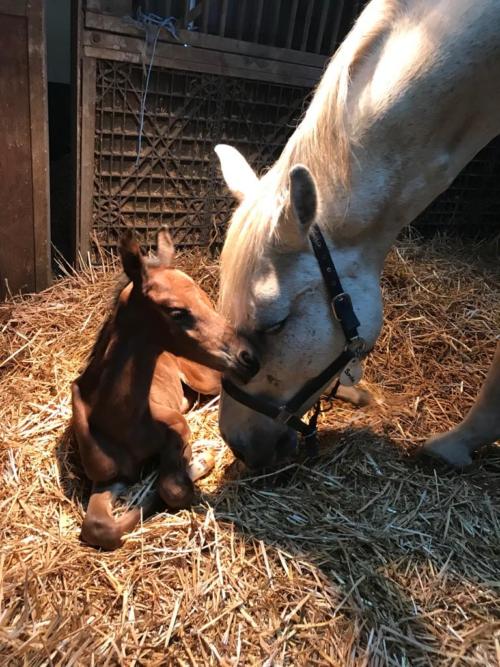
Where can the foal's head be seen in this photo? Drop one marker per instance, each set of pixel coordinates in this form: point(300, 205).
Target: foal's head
point(178, 314)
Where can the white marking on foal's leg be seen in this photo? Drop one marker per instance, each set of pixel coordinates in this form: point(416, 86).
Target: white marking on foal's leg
point(480, 427)
point(201, 464)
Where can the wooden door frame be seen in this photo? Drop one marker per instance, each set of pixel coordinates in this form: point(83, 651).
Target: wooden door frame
point(37, 56)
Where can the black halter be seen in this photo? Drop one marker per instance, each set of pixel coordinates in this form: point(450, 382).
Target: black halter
point(343, 311)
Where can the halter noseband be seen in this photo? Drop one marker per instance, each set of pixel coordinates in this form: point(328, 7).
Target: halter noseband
point(343, 312)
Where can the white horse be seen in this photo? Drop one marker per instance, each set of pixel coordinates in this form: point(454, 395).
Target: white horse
point(409, 98)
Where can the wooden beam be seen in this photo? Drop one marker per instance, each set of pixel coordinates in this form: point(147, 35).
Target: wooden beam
point(242, 9)
point(128, 49)
point(206, 12)
point(116, 7)
point(223, 17)
point(115, 25)
point(13, 7)
point(39, 142)
point(276, 21)
point(291, 24)
point(258, 21)
point(77, 22)
point(87, 154)
point(339, 8)
point(321, 26)
point(185, 18)
point(307, 25)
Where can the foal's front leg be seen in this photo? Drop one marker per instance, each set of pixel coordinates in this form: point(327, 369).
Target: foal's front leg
point(178, 470)
point(480, 427)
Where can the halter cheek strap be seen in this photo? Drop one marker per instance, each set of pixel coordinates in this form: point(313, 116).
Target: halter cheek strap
point(285, 414)
point(340, 300)
point(343, 312)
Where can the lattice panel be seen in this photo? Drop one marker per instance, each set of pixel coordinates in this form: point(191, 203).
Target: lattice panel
point(177, 180)
point(472, 202)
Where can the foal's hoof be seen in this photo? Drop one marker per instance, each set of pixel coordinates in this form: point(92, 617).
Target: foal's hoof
point(449, 448)
point(176, 490)
point(201, 464)
point(103, 534)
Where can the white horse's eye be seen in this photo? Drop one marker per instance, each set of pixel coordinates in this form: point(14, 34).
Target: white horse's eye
point(275, 328)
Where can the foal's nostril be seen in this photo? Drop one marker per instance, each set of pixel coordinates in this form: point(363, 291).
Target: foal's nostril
point(246, 358)
point(249, 361)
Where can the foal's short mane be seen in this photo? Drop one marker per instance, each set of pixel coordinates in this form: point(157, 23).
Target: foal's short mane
point(104, 334)
point(323, 142)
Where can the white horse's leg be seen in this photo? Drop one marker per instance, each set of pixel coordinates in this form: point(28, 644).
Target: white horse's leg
point(480, 427)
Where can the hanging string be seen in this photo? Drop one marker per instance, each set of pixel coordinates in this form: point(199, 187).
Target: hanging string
point(152, 24)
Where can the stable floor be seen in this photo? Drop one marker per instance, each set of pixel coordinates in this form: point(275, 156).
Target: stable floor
point(366, 556)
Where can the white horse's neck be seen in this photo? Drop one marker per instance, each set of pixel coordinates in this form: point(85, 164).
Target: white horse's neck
point(423, 99)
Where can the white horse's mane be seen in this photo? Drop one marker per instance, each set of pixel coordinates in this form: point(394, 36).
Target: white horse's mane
point(323, 141)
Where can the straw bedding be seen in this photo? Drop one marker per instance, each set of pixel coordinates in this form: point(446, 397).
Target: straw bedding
point(364, 557)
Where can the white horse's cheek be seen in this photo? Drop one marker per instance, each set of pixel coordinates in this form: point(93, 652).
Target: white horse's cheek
point(296, 358)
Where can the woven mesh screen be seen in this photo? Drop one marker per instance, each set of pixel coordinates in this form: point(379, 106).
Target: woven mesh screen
point(472, 202)
point(177, 180)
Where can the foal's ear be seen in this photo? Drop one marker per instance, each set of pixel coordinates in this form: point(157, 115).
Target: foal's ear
point(238, 174)
point(131, 256)
point(166, 248)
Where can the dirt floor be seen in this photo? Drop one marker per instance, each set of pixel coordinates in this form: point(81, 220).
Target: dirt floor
point(363, 557)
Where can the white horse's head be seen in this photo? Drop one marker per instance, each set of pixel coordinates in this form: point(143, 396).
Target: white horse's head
point(272, 291)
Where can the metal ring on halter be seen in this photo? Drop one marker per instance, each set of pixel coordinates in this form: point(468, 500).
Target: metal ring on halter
point(339, 297)
point(284, 415)
point(357, 346)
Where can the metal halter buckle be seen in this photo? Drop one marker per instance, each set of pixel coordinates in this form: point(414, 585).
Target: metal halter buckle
point(334, 304)
point(357, 346)
point(284, 416)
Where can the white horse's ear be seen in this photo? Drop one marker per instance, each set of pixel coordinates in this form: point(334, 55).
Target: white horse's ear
point(301, 209)
point(238, 174)
point(303, 197)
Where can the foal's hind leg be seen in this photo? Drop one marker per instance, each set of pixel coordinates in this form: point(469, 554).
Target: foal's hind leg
point(100, 528)
point(101, 459)
point(103, 463)
point(480, 427)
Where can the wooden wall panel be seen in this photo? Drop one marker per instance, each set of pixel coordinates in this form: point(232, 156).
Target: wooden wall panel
point(17, 265)
point(24, 212)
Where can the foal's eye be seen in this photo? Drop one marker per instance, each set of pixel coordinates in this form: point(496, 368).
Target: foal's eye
point(275, 328)
point(178, 314)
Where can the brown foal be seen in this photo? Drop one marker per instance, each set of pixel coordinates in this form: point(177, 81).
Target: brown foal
point(162, 344)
